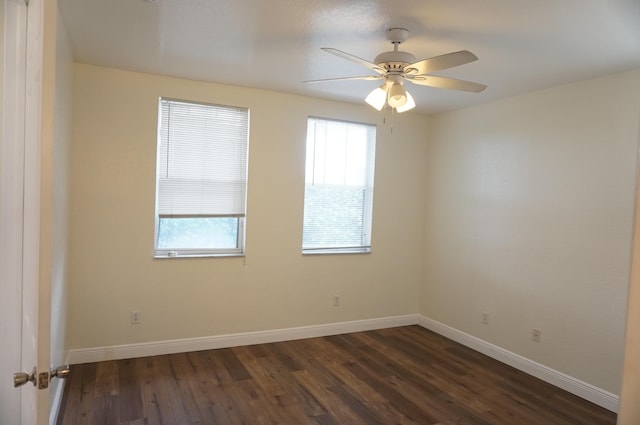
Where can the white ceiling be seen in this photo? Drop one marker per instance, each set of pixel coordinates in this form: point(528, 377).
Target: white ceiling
point(522, 45)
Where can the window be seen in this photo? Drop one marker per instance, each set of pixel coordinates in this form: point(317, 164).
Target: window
point(338, 196)
point(201, 179)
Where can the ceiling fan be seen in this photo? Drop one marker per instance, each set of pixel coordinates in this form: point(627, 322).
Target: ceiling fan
point(396, 67)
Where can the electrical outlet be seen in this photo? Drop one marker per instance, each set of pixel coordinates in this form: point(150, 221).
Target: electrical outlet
point(485, 317)
point(535, 335)
point(336, 300)
point(136, 317)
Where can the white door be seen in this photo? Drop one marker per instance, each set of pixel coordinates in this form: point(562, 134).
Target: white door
point(25, 112)
point(12, 109)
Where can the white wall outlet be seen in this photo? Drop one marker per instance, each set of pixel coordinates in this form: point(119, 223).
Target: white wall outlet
point(136, 317)
point(336, 300)
point(535, 335)
point(485, 317)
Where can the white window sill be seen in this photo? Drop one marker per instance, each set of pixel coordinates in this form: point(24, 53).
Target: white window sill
point(162, 256)
point(329, 251)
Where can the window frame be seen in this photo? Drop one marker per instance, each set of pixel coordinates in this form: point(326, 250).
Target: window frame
point(369, 189)
point(240, 248)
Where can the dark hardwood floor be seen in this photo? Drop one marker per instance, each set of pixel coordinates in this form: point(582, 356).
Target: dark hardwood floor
point(406, 375)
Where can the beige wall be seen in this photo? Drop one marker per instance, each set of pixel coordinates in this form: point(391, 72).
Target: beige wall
point(530, 207)
point(112, 227)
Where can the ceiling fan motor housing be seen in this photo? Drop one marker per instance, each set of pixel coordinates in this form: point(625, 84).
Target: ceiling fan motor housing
point(395, 60)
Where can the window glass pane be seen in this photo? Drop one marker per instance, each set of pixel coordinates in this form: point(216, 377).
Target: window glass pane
point(198, 233)
point(333, 217)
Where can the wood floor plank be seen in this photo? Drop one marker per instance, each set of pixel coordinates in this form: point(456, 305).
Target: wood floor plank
point(154, 397)
point(128, 384)
point(183, 372)
point(272, 375)
point(211, 401)
point(406, 375)
point(336, 409)
point(169, 395)
point(81, 412)
point(236, 369)
point(105, 410)
point(107, 379)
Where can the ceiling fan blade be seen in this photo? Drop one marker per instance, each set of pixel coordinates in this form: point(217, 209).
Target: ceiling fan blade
point(438, 63)
point(352, 58)
point(366, 77)
point(446, 83)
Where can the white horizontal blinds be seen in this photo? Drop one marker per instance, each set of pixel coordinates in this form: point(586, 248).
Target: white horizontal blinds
point(202, 160)
point(339, 185)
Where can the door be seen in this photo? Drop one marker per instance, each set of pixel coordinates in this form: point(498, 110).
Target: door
point(12, 109)
point(629, 411)
point(26, 112)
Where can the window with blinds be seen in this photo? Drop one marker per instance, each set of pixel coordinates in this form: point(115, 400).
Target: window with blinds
point(338, 197)
point(201, 179)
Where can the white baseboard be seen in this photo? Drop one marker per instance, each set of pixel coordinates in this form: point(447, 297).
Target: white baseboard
point(575, 386)
point(128, 351)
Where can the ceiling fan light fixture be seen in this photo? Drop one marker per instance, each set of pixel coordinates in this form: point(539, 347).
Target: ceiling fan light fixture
point(407, 106)
point(397, 95)
point(377, 98)
point(381, 96)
